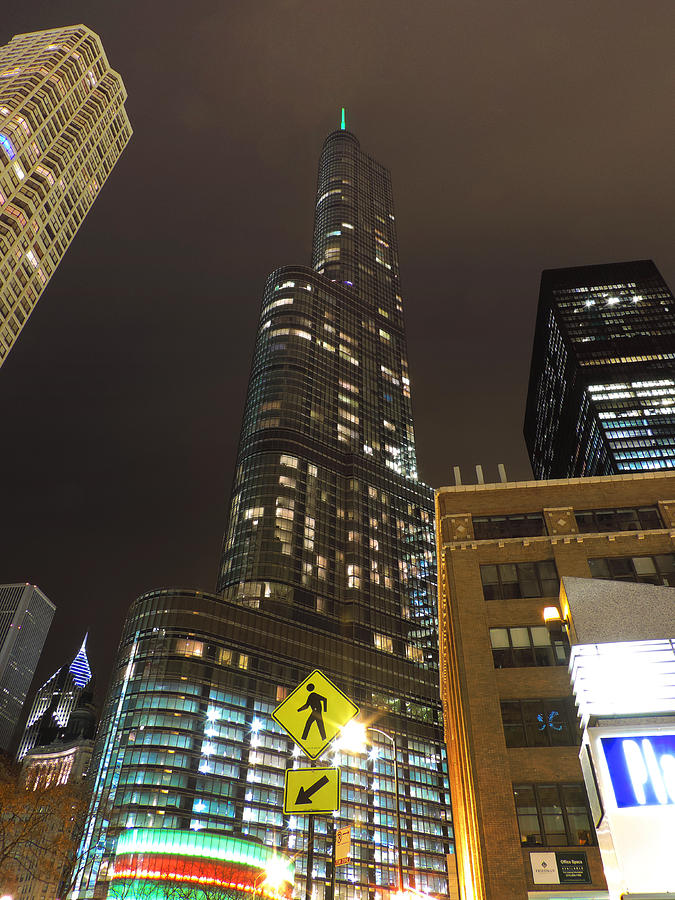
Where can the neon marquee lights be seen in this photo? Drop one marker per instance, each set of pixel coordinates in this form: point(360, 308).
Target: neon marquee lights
point(144, 854)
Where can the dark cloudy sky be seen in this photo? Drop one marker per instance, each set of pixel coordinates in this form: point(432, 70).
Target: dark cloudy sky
point(521, 135)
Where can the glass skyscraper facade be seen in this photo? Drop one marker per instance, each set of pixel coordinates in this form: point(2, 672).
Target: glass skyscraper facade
point(25, 618)
point(601, 397)
point(329, 527)
point(63, 127)
point(328, 562)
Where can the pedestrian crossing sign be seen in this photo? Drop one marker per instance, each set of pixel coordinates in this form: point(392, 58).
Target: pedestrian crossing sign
point(314, 713)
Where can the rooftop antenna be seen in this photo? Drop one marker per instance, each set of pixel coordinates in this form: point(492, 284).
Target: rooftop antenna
point(343, 123)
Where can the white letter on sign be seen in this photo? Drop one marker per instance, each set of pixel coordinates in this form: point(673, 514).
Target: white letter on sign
point(636, 769)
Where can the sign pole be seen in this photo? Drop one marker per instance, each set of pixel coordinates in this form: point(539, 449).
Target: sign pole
point(309, 881)
point(333, 866)
point(310, 859)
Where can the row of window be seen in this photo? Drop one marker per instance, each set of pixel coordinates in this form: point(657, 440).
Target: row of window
point(509, 581)
point(588, 521)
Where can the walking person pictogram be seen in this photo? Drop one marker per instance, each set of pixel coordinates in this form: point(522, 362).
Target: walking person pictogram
point(318, 706)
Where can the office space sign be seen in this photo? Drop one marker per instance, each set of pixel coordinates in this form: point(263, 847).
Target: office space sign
point(555, 867)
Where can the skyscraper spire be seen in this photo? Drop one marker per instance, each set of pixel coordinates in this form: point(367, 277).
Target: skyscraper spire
point(343, 123)
point(79, 667)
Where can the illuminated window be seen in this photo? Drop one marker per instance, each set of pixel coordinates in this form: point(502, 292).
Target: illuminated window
point(383, 642)
point(353, 576)
point(188, 647)
point(527, 646)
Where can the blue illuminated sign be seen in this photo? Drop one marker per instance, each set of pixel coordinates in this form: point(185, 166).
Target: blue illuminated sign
point(641, 769)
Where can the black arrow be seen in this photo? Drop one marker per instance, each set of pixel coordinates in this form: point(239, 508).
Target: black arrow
point(305, 794)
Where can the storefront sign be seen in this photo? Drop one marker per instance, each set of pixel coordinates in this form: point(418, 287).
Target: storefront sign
point(641, 769)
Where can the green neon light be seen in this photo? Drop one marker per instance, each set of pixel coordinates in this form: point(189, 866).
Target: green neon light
point(205, 846)
point(343, 124)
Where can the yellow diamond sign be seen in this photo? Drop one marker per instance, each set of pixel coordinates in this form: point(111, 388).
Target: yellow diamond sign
point(312, 791)
point(314, 713)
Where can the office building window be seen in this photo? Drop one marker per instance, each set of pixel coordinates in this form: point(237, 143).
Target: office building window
point(644, 569)
point(511, 581)
point(526, 525)
point(552, 815)
point(642, 518)
point(527, 646)
point(540, 723)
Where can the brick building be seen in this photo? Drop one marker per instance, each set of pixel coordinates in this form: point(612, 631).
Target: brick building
point(522, 826)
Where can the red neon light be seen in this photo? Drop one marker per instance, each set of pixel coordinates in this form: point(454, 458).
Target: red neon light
point(162, 867)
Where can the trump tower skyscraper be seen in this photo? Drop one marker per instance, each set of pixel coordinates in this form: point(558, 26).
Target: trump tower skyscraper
point(330, 531)
point(328, 562)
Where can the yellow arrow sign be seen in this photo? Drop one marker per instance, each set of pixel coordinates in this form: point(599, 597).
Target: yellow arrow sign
point(312, 790)
point(314, 713)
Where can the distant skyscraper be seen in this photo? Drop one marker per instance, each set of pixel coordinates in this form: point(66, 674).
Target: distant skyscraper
point(25, 617)
point(601, 399)
point(328, 561)
point(54, 702)
point(62, 129)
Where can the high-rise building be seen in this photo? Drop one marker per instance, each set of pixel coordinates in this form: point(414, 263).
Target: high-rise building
point(54, 702)
point(62, 129)
point(601, 398)
point(328, 562)
point(25, 617)
point(522, 819)
point(329, 527)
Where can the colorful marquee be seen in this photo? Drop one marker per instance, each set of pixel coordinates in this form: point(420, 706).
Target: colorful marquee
point(147, 860)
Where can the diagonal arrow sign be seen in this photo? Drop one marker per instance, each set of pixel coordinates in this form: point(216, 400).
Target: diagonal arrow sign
point(305, 794)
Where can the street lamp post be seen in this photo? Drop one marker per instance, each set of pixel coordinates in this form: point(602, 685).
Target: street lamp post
point(390, 737)
point(356, 733)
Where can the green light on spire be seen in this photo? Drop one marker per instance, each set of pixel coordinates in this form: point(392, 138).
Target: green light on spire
point(343, 123)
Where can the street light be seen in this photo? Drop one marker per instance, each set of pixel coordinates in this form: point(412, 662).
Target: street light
point(271, 878)
point(354, 737)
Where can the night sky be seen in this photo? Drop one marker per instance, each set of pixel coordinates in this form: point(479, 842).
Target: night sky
point(521, 135)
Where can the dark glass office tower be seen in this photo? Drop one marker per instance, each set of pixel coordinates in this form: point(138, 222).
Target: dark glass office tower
point(330, 532)
point(328, 562)
point(601, 399)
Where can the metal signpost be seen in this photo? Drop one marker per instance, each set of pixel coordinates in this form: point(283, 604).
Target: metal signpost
point(313, 715)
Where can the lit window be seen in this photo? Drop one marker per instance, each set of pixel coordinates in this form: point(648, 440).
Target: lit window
point(383, 642)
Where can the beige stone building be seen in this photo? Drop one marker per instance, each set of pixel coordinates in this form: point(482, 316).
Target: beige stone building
point(522, 825)
point(63, 127)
